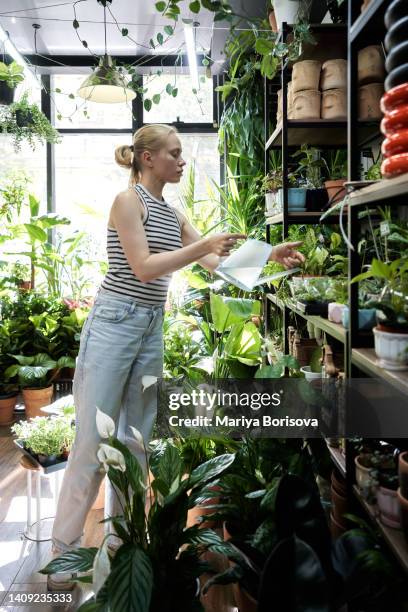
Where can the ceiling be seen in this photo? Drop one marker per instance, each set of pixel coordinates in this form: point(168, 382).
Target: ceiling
point(57, 37)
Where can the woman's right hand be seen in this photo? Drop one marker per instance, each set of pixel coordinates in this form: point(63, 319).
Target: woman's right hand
point(221, 244)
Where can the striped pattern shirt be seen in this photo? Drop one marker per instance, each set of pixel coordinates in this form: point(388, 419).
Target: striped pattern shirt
point(163, 233)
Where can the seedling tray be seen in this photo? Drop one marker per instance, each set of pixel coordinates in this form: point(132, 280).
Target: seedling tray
point(47, 469)
point(313, 308)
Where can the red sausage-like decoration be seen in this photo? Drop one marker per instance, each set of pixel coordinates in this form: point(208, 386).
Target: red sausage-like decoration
point(394, 98)
point(395, 165)
point(395, 143)
point(395, 120)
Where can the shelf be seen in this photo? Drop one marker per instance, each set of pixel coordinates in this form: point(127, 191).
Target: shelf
point(301, 217)
point(394, 537)
point(366, 360)
point(338, 459)
point(335, 330)
point(333, 135)
point(394, 189)
point(370, 22)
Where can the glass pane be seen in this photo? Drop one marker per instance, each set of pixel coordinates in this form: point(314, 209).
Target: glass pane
point(186, 106)
point(74, 112)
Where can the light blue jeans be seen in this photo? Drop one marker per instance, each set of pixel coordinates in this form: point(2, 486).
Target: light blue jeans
point(121, 341)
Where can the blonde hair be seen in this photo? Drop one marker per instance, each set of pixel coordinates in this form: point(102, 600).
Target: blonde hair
point(147, 138)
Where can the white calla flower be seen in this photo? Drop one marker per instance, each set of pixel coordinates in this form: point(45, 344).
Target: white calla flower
point(148, 381)
point(101, 568)
point(111, 457)
point(138, 437)
point(104, 424)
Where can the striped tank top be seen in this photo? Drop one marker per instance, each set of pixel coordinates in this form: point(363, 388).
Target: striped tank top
point(163, 233)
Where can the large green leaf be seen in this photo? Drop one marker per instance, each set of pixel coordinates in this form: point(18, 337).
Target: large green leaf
point(66, 362)
point(30, 373)
point(209, 470)
point(52, 219)
point(170, 465)
point(79, 560)
point(35, 232)
point(34, 205)
point(131, 580)
point(227, 311)
point(244, 343)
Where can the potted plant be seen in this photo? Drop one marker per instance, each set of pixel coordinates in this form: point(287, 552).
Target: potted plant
point(25, 121)
point(8, 391)
point(10, 76)
point(47, 439)
point(163, 556)
point(286, 11)
point(391, 332)
point(36, 374)
point(310, 166)
point(20, 275)
point(336, 164)
point(313, 371)
point(387, 498)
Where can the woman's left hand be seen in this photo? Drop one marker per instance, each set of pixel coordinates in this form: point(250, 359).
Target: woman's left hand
point(287, 255)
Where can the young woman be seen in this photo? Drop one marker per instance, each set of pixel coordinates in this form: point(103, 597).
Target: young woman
point(122, 338)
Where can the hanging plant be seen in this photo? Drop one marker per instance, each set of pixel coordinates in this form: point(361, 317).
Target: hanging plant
point(25, 121)
point(10, 76)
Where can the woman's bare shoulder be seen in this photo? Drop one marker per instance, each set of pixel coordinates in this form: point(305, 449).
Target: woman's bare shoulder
point(124, 202)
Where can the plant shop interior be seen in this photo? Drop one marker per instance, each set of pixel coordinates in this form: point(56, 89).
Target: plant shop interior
point(290, 119)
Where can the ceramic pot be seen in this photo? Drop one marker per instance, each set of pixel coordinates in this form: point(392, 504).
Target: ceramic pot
point(334, 75)
point(366, 318)
point(398, 56)
point(334, 104)
point(397, 33)
point(396, 10)
point(306, 75)
point(306, 105)
point(7, 405)
point(395, 120)
point(395, 165)
point(391, 349)
point(35, 399)
point(404, 513)
point(309, 375)
point(395, 144)
point(286, 11)
point(403, 473)
point(371, 65)
point(316, 199)
point(395, 98)
point(389, 507)
point(335, 190)
point(335, 312)
point(363, 477)
point(369, 98)
point(398, 76)
point(336, 528)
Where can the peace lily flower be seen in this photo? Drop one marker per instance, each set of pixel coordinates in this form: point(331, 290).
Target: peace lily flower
point(101, 567)
point(138, 437)
point(148, 381)
point(104, 424)
point(111, 457)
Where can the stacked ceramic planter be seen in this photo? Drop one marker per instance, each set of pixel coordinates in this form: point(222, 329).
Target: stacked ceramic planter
point(371, 74)
point(394, 103)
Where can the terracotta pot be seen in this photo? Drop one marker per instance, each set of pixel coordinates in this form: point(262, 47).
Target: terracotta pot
point(371, 68)
point(306, 75)
point(7, 405)
point(303, 349)
point(336, 528)
point(220, 597)
point(99, 502)
point(334, 104)
point(403, 473)
point(334, 75)
point(369, 98)
point(335, 190)
point(306, 105)
point(24, 285)
point(404, 513)
point(389, 507)
point(272, 21)
point(35, 399)
point(339, 507)
point(338, 483)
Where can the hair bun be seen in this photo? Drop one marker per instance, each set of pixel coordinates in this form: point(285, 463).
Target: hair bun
point(123, 156)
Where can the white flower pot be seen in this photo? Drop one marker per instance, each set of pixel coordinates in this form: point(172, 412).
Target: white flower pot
point(391, 349)
point(286, 10)
point(309, 375)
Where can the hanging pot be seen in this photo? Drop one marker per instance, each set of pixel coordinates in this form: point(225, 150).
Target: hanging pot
point(369, 98)
point(24, 118)
point(306, 75)
point(398, 76)
point(286, 11)
point(334, 75)
point(306, 105)
point(334, 104)
point(35, 399)
point(371, 65)
point(396, 10)
point(6, 94)
point(396, 34)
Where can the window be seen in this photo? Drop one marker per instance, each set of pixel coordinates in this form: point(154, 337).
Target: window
point(73, 109)
point(186, 106)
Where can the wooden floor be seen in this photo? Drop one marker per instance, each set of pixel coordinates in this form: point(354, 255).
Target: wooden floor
point(20, 559)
